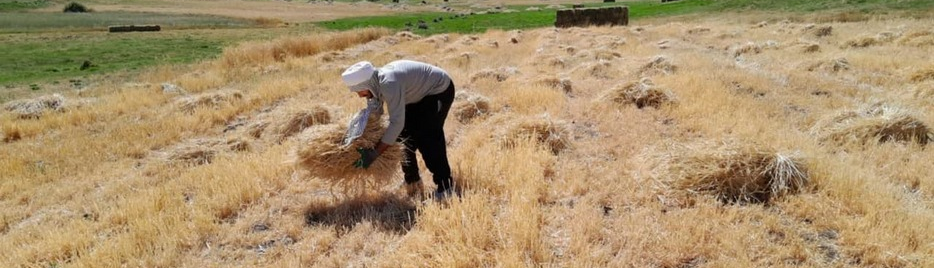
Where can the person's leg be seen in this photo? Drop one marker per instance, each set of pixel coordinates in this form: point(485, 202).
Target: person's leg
point(432, 143)
point(409, 161)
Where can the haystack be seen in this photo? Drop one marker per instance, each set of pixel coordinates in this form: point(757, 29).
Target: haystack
point(876, 123)
point(642, 93)
point(210, 99)
point(320, 154)
point(807, 47)
point(863, 41)
point(33, 108)
point(818, 31)
point(202, 151)
point(658, 65)
point(835, 65)
point(551, 134)
point(469, 106)
point(732, 172)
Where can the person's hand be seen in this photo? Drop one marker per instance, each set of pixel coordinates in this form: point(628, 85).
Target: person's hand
point(367, 156)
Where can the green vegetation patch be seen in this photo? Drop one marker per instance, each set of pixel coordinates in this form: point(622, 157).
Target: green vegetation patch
point(522, 18)
point(60, 21)
point(21, 5)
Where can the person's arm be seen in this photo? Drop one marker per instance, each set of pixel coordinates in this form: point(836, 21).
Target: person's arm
point(395, 103)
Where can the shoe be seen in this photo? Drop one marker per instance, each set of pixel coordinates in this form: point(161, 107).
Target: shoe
point(414, 189)
point(442, 196)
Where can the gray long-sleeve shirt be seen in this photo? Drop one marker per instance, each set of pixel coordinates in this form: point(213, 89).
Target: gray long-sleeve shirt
point(404, 82)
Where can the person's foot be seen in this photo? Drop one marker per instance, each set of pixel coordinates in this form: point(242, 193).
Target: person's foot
point(414, 189)
point(442, 196)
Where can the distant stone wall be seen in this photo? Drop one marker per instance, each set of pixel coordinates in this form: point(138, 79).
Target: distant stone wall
point(592, 16)
point(134, 28)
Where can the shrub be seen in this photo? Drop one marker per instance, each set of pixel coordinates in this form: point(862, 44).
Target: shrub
point(75, 7)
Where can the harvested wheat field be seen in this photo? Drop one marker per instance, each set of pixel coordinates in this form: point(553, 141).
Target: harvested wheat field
point(721, 142)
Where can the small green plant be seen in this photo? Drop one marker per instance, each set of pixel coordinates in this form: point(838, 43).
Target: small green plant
point(75, 7)
point(34, 87)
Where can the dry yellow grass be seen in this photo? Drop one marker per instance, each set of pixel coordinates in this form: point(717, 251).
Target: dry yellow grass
point(874, 124)
point(79, 189)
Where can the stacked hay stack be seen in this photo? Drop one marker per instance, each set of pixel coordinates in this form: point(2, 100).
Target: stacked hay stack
point(36, 107)
point(320, 152)
point(876, 123)
point(732, 172)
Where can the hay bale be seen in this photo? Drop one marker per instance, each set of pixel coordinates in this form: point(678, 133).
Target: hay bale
point(659, 65)
point(293, 122)
point(552, 135)
point(608, 16)
point(563, 84)
point(469, 106)
point(923, 75)
point(641, 94)
point(214, 99)
point(320, 154)
point(499, 74)
point(36, 107)
point(731, 172)
point(202, 151)
point(877, 123)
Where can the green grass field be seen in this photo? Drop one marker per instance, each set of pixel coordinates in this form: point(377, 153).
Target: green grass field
point(640, 9)
point(98, 21)
point(19, 5)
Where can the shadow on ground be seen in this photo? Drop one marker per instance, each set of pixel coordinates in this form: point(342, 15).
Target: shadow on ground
point(386, 211)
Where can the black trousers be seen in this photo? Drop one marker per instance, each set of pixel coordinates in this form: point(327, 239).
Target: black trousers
point(424, 132)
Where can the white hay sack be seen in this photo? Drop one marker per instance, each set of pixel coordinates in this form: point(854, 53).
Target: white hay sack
point(209, 99)
point(552, 135)
point(499, 74)
point(563, 84)
point(320, 153)
point(731, 172)
point(36, 107)
point(469, 106)
point(659, 65)
point(202, 151)
point(877, 123)
point(641, 94)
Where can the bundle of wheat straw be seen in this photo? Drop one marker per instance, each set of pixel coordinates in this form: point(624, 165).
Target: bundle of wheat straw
point(872, 124)
point(202, 151)
point(321, 153)
point(469, 106)
point(213, 99)
point(33, 108)
point(642, 94)
point(731, 172)
point(552, 134)
point(294, 121)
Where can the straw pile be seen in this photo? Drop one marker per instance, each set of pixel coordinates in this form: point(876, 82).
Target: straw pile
point(320, 154)
point(202, 151)
point(33, 108)
point(212, 99)
point(748, 48)
point(923, 75)
point(877, 123)
point(500, 74)
point(550, 134)
point(563, 84)
point(285, 124)
point(642, 94)
point(835, 65)
point(731, 172)
point(659, 65)
point(918, 39)
point(469, 106)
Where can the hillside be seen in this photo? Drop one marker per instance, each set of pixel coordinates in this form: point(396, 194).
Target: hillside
point(142, 174)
